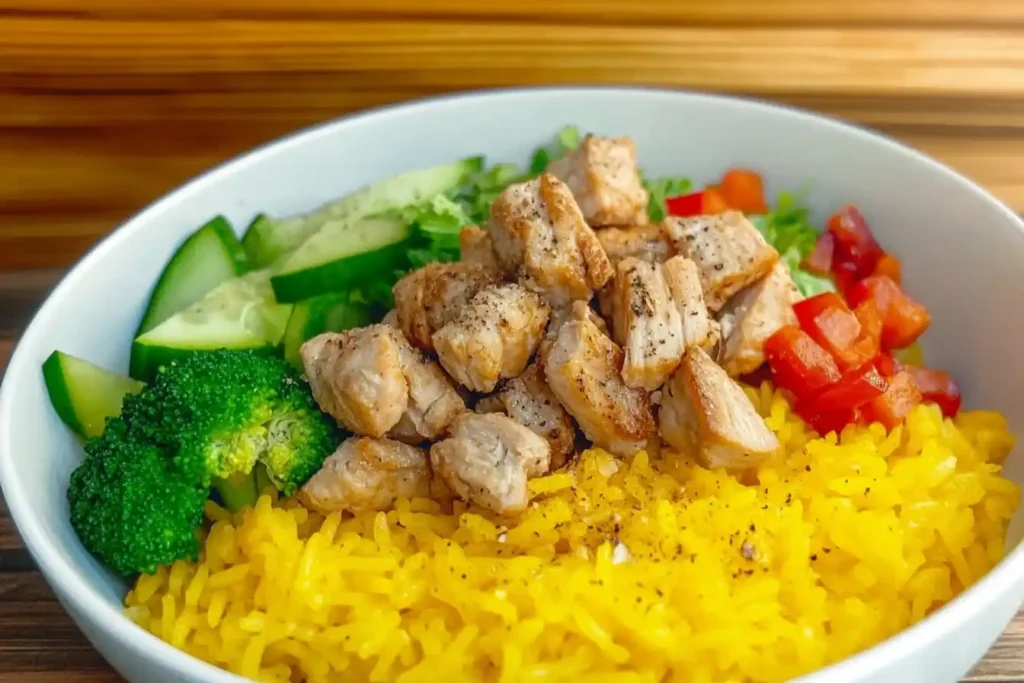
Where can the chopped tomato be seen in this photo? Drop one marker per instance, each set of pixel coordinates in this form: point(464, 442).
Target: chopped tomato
point(826, 318)
point(819, 261)
point(854, 243)
point(938, 387)
point(889, 266)
point(798, 363)
point(854, 389)
point(743, 190)
point(904, 319)
point(708, 200)
point(893, 406)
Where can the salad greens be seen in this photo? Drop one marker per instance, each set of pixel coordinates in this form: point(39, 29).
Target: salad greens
point(788, 229)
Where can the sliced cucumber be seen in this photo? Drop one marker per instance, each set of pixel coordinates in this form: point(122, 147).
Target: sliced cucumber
point(269, 241)
point(239, 314)
point(327, 313)
point(83, 394)
point(343, 254)
point(211, 255)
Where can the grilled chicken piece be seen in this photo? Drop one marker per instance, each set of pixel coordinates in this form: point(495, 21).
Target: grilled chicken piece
point(583, 368)
point(645, 242)
point(605, 180)
point(357, 377)
point(370, 379)
point(646, 323)
point(540, 236)
point(683, 280)
point(368, 474)
point(706, 415)
point(476, 247)
point(755, 314)
point(528, 400)
point(429, 298)
point(487, 460)
point(729, 252)
point(493, 337)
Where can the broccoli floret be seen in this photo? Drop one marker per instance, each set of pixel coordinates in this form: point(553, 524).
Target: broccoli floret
point(132, 508)
point(207, 420)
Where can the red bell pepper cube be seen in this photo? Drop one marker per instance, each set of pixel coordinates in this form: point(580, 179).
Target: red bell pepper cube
point(707, 201)
point(904, 320)
point(887, 366)
point(743, 190)
point(798, 363)
point(853, 390)
point(893, 406)
point(829, 322)
point(854, 243)
point(823, 423)
point(937, 387)
point(715, 201)
point(889, 266)
point(819, 261)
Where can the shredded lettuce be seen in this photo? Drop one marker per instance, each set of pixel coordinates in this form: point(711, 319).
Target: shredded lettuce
point(788, 229)
point(661, 189)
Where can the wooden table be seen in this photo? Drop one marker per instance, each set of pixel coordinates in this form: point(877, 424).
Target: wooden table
point(103, 109)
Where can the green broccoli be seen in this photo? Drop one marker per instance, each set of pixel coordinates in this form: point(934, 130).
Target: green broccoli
point(215, 419)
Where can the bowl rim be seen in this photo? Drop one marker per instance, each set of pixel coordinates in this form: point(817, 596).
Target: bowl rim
point(86, 600)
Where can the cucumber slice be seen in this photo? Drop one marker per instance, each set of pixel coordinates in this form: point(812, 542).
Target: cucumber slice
point(211, 255)
point(327, 313)
point(239, 314)
point(343, 254)
point(83, 394)
point(270, 241)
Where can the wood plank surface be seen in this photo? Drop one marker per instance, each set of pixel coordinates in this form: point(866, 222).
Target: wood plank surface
point(106, 105)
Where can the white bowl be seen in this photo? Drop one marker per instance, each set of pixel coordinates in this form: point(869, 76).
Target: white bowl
point(962, 251)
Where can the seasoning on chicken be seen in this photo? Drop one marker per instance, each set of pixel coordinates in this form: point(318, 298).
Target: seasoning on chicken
point(645, 242)
point(493, 337)
point(540, 237)
point(605, 180)
point(755, 314)
point(699, 328)
point(487, 460)
point(706, 415)
point(646, 323)
point(583, 368)
point(370, 378)
point(368, 474)
point(430, 297)
point(476, 246)
point(729, 252)
point(528, 400)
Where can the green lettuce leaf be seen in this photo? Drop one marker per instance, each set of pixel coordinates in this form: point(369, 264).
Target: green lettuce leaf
point(788, 229)
point(567, 140)
point(661, 189)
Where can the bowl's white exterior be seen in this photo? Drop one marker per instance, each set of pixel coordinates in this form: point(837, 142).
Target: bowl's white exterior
point(963, 255)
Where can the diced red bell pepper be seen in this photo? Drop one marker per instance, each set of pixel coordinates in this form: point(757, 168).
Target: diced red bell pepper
point(743, 190)
point(854, 243)
point(798, 363)
point(893, 406)
point(904, 320)
point(869, 316)
point(826, 318)
point(707, 201)
point(853, 390)
point(819, 261)
point(845, 274)
point(714, 201)
point(889, 266)
point(823, 423)
point(887, 366)
point(938, 387)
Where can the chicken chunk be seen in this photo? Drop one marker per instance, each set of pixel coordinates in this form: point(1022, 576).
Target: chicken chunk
point(729, 252)
point(476, 247)
point(493, 337)
point(368, 474)
point(370, 379)
point(528, 400)
point(683, 280)
point(645, 242)
point(755, 314)
point(357, 377)
point(706, 415)
point(583, 368)
point(487, 460)
point(540, 237)
point(605, 180)
point(646, 323)
point(429, 298)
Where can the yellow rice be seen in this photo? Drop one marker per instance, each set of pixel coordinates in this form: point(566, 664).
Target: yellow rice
point(645, 569)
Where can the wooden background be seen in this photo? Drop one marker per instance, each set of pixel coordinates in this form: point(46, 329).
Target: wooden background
point(104, 109)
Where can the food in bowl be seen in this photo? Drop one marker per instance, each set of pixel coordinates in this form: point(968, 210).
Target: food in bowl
point(565, 422)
